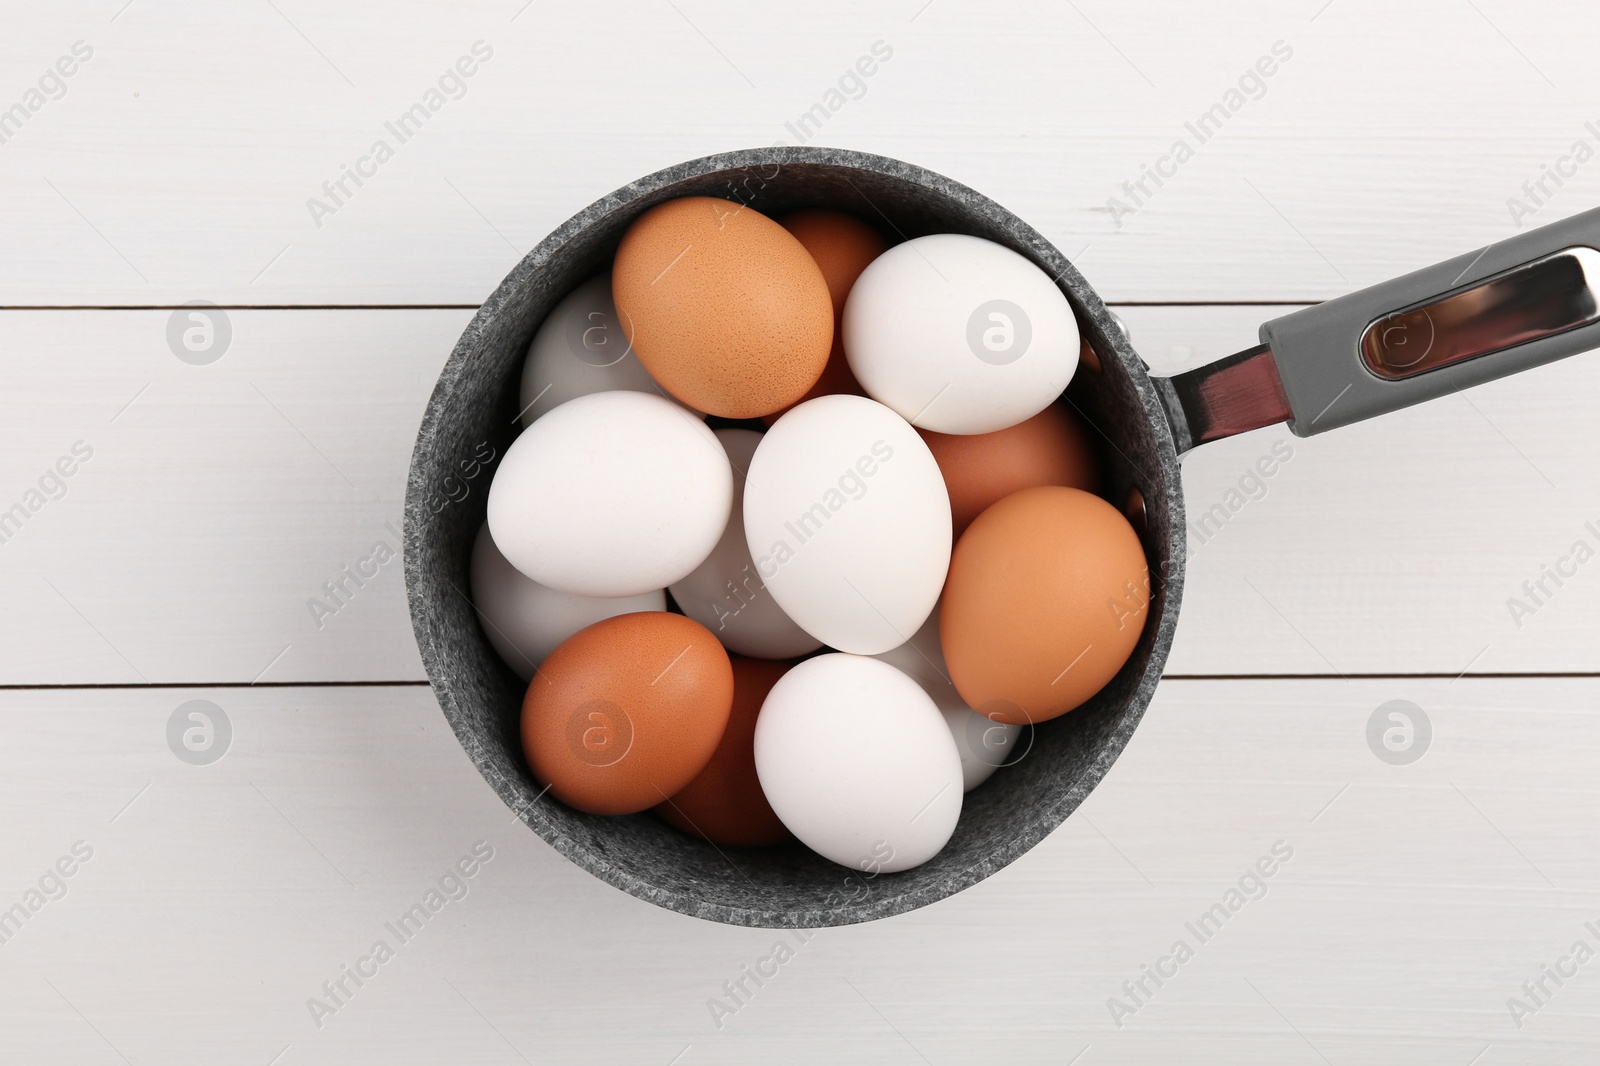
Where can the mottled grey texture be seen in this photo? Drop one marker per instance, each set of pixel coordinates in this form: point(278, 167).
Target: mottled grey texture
point(784, 887)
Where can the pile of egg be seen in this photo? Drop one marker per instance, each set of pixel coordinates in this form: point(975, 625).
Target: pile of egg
point(834, 613)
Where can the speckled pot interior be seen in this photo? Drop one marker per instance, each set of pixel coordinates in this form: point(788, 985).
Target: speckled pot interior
point(475, 401)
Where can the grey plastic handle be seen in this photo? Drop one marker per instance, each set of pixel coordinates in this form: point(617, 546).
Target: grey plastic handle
point(1516, 304)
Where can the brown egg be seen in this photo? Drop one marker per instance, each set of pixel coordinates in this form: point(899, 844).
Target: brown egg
point(1088, 358)
point(725, 804)
point(1051, 448)
point(842, 245)
point(1047, 595)
point(723, 306)
point(626, 712)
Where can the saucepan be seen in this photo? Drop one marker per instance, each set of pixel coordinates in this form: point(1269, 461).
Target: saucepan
point(1521, 302)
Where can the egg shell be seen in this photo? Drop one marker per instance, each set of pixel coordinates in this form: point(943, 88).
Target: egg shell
point(842, 245)
point(724, 803)
point(1047, 595)
point(982, 744)
point(1051, 448)
point(725, 308)
point(848, 521)
point(626, 712)
point(857, 761)
point(611, 494)
point(725, 593)
point(959, 334)
point(580, 349)
point(525, 620)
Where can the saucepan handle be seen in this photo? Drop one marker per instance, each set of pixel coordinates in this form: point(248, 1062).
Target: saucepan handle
point(1519, 303)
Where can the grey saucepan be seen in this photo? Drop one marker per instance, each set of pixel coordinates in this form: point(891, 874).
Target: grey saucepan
point(1524, 301)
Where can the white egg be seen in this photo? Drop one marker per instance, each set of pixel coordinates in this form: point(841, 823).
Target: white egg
point(579, 349)
point(959, 334)
point(725, 594)
point(525, 620)
point(611, 494)
point(983, 744)
point(848, 522)
point(857, 762)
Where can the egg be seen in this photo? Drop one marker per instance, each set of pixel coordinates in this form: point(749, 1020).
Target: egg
point(959, 334)
point(982, 744)
point(611, 494)
point(725, 308)
point(724, 803)
point(1047, 596)
point(524, 620)
point(579, 349)
point(1051, 448)
point(842, 245)
point(848, 522)
point(857, 761)
point(726, 594)
point(627, 711)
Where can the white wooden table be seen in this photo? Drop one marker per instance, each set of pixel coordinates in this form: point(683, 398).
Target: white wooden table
point(176, 164)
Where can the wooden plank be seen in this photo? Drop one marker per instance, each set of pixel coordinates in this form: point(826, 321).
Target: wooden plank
point(222, 497)
point(1400, 545)
point(235, 889)
point(180, 162)
point(219, 498)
